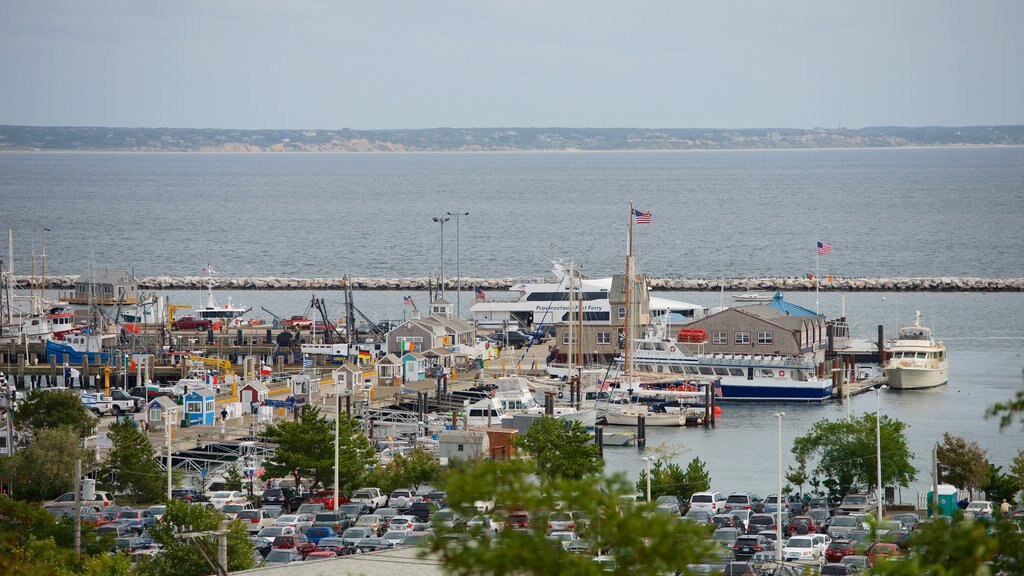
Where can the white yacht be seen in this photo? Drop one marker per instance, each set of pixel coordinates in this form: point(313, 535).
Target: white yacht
point(915, 359)
point(214, 311)
point(547, 303)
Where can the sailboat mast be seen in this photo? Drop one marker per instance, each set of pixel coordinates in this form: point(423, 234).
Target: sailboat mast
point(627, 333)
point(42, 274)
point(579, 338)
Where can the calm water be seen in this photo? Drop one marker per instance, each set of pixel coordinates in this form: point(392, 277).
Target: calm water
point(935, 212)
point(887, 212)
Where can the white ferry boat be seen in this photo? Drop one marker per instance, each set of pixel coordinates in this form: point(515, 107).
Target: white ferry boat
point(916, 360)
point(546, 303)
point(744, 377)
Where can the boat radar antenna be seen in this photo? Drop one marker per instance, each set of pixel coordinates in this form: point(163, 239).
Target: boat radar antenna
point(211, 302)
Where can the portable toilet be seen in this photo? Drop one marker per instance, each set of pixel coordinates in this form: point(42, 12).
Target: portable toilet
point(201, 407)
point(947, 500)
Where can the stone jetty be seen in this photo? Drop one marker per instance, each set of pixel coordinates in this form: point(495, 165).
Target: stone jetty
point(792, 284)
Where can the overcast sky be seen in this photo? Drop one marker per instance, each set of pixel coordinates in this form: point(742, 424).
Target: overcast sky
point(476, 63)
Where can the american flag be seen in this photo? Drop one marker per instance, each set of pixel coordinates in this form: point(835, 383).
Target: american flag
point(824, 247)
point(407, 300)
point(480, 294)
point(718, 390)
point(642, 217)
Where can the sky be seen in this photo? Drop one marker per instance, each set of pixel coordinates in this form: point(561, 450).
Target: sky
point(331, 64)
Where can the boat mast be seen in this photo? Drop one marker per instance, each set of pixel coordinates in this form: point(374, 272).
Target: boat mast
point(627, 333)
point(42, 275)
point(579, 342)
point(10, 271)
point(572, 336)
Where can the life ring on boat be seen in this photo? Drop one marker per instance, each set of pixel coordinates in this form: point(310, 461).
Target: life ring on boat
point(561, 394)
point(782, 373)
point(671, 348)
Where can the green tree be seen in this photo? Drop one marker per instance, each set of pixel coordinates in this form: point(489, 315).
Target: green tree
point(998, 485)
point(672, 480)
point(46, 469)
point(131, 463)
point(641, 543)
point(962, 463)
point(1017, 470)
point(959, 548)
point(305, 449)
point(846, 452)
point(560, 449)
point(798, 475)
point(54, 410)
point(192, 556)
point(405, 470)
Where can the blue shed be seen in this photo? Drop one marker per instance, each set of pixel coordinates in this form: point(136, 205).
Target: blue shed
point(201, 407)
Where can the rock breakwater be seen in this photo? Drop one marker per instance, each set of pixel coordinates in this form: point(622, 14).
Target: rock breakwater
point(927, 284)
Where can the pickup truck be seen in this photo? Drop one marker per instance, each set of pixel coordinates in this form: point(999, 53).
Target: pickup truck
point(138, 402)
point(100, 405)
point(298, 321)
point(856, 504)
point(192, 323)
point(370, 497)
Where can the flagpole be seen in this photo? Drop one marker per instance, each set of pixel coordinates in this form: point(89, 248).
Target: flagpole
point(817, 273)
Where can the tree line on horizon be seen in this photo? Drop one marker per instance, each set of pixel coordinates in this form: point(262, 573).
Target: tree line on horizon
point(54, 138)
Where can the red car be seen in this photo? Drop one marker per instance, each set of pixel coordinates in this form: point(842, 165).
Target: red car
point(881, 550)
point(801, 525)
point(297, 541)
point(838, 549)
point(326, 497)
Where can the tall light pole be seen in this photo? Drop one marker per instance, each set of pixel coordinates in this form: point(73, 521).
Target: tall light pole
point(647, 462)
point(442, 220)
point(878, 447)
point(458, 262)
point(778, 496)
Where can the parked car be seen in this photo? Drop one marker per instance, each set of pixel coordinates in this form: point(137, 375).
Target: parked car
point(801, 525)
point(728, 520)
point(373, 498)
point(335, 545)
point(138, 402)
point(313, 508)
point(713, 502)
point(909, 519)
point(402, 523)
point(858, 563)
point(424, 510)
point(386, 514)
point(841, 525)
point(446, 518)
point(131, 544)
point(294, 541)
point(801, 549)
point(115, 530)
point(856, 503)
point(188, 495)
point(101, 499)
point(979, 509)
point(725, 536)
point(699, 516)
point(563, 538)
point(287, 498)
point(835, 570)
point(371, 521)
point(192, 323)
point(486, 525)
point(316, 533)
point(255, 520)
point(511, 338)
point(137, 520)
point(403, 498)
point(326, 497)
point(337, 521)
point(565, 521)
point(158, 511)
point(373, 544)
point(356, 534)
point(219, 499)
point(744, 500)
point(300, 522)
point(881, 550)
point(395, 537)
point(838, 549)
point(746, 546)
point(821, 518)
point(759, 522)
point(298, 321)
point(670, 508)
point(280, 557)
point(231, 511)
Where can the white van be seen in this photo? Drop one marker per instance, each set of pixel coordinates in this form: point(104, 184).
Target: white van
point(713, 502)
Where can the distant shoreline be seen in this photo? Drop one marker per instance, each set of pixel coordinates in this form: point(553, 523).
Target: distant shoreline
point(472, 140)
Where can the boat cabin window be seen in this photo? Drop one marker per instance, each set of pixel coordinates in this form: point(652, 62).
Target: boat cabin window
point(707, 371)
point(767, 373)
point(721, 372)
point(735, 371)
point(677, 369)
point(483, 413)
point(692, 370)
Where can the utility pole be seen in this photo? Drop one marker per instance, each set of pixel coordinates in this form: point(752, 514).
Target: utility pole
point(78, 507)
point(167, 446)
point(933, 506)
point(222, 549)
point(458, 262)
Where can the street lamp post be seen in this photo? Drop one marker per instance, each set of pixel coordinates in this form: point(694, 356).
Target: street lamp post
point(878, 447)
point(442, 220)
point(458, 262)
point(778, 495)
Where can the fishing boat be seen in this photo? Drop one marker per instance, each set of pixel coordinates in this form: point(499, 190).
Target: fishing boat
point(916, 360)
point(215, 312)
